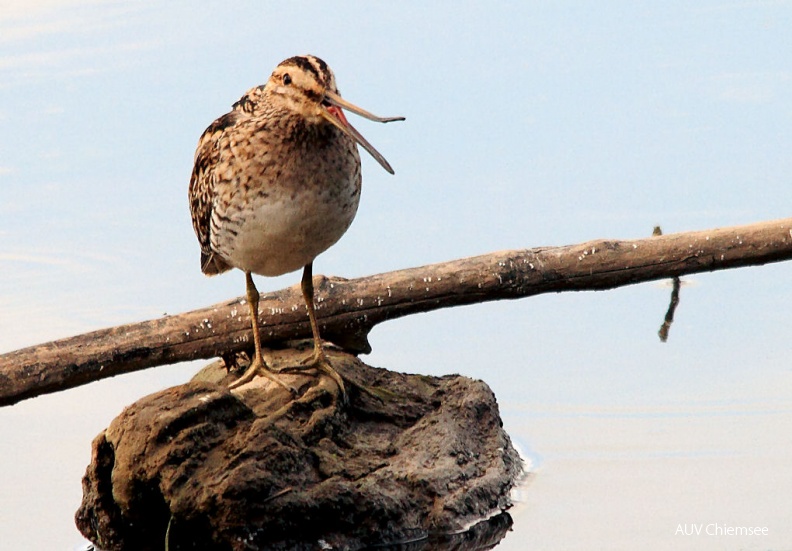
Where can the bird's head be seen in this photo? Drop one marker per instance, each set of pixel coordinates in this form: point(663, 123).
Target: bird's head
point(306, 86)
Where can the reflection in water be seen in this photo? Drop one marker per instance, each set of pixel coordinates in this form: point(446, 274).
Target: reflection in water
point(481, 536)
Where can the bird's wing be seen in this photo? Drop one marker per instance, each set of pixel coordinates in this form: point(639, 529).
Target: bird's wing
point(202, 190)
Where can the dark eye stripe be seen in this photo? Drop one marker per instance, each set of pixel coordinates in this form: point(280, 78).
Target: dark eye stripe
point(311, 95)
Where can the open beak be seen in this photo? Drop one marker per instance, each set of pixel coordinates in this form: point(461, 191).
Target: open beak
point(331, 109)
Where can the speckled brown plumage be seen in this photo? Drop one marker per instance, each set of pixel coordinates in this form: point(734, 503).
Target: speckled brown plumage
point(271, 190)
point(277, 180)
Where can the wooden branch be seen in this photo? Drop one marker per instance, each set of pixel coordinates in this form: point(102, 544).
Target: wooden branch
point(348, 309)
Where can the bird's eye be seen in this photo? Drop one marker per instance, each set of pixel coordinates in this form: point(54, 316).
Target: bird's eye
point(287, 79)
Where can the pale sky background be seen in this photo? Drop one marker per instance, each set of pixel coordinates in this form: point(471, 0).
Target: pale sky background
point(527, 125)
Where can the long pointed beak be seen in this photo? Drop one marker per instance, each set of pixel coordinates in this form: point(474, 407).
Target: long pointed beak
point(334, 115)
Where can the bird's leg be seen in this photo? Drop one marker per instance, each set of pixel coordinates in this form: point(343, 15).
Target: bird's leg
point(257, 365)
point(319, 359)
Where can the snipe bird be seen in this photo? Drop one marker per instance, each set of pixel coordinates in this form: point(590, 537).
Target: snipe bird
point(276, 182)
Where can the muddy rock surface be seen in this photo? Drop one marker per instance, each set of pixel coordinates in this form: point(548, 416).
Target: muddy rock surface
point(407, 458)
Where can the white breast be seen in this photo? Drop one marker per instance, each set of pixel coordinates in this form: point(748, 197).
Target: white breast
point(275, 236)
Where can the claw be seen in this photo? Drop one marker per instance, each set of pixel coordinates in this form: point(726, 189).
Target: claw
point(320, 362)
point(257, 367)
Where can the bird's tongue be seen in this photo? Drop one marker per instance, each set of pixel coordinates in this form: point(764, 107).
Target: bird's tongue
point(338, 113)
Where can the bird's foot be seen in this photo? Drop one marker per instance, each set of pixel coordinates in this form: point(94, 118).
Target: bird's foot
point(257, 367)
point(318, 360)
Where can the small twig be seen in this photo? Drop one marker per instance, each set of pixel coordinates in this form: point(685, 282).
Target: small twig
point(669, 317)
point(167, 533)
point(672, 306)
point(278, 494)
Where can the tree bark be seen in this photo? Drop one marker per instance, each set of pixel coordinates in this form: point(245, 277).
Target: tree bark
point(348, 309)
